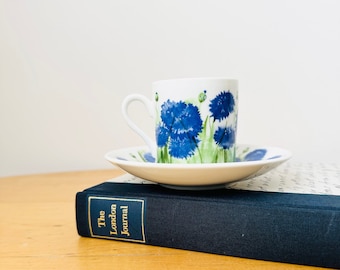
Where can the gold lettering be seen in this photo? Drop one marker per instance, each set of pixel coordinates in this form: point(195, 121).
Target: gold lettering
point(101, 219)
point(125, 220)
point(113, 218)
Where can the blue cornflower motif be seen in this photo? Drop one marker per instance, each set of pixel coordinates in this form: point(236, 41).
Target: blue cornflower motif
point(181, 118)
point(183, 147)
point(257, 154)
point(225, 137)
point(162, 135)
point(222, 105)
point(180, 125)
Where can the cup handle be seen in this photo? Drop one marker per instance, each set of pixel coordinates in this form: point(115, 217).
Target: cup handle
point(150, 108)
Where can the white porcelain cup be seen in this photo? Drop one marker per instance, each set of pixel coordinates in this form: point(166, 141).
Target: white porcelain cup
point(195, 119)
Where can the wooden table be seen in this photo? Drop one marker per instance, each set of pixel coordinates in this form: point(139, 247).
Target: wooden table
point(38, 231)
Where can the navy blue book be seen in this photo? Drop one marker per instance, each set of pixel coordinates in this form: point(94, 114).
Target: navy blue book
point(282, 227)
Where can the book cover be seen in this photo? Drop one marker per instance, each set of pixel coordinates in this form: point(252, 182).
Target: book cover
point(268, 225)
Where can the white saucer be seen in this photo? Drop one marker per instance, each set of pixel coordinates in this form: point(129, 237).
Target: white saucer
point(252, 161)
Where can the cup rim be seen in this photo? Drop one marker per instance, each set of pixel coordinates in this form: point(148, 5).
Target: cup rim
point(196, 79)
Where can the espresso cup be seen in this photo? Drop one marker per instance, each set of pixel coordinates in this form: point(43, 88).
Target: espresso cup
point(195, 119)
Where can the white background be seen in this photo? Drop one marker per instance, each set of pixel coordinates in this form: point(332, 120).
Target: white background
point(66, 65)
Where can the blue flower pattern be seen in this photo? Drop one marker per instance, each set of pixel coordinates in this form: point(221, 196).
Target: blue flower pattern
point(179, 129)
point(181, 132)
point(256, 154)
point(222, 105)
point(225, 137)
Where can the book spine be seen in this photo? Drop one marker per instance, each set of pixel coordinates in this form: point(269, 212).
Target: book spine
point(283, 234)
point(110, 217)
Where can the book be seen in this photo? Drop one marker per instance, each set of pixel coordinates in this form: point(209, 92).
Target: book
point(268, 222)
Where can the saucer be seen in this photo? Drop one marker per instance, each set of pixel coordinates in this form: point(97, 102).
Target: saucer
point(251, 161)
